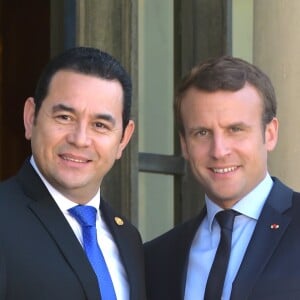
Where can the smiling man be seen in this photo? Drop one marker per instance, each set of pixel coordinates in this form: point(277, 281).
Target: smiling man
point(245, 243)
point(59, 239)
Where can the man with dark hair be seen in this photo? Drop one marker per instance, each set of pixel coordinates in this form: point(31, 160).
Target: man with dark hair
point(245, 242)
point(58, 238)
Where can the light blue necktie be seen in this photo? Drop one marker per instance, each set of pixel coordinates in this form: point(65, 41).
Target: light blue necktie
point(86, 217)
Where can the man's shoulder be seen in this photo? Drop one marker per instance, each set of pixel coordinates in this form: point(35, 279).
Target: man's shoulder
point(280, 188)
point(180, 234)
point(13, 184)
point(8, 186)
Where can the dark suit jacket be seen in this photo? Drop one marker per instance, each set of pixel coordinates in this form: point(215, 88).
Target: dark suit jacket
point(270, 269)
point(41, 258)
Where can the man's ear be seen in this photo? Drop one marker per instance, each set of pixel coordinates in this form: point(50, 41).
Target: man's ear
point(29, 117)
point(183, 146)
point(271, 134)
point(126, 137)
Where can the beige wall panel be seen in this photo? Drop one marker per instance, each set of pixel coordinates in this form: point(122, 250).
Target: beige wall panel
point(111, 25)
point(276, 51)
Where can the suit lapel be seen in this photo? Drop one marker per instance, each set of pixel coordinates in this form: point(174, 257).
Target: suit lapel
point(181, 260)
point(130, 254)
point(50, 216)
point(264, 241)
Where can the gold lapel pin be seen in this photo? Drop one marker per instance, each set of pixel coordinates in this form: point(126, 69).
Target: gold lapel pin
point(119, 221)
point(274, 226)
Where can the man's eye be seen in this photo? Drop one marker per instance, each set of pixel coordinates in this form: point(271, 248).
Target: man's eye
point(64, 117)
point(236, 129)
point(202, 132)
point(100, 125)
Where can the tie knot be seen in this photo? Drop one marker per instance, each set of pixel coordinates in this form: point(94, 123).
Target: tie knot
point(84, 214)
point(226, 217)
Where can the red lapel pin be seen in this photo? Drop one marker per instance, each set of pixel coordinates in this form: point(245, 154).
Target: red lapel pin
point(274, 226)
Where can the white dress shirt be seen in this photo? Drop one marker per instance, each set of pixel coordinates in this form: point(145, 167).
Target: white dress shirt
point(207, 239)
point(105, 239)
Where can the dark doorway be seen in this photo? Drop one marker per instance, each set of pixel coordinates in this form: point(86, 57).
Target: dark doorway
point(24, 50)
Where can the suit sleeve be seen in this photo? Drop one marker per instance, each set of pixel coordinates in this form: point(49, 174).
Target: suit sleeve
point(2, 274)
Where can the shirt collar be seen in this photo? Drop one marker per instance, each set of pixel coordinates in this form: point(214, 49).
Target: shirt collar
point(64, 203)
point(251, 205)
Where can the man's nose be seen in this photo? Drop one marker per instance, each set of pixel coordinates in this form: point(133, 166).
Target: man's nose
point(79, 135)
point(220, 146)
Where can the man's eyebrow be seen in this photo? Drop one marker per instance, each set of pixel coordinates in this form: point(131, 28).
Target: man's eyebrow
point(106, 117)
point(60, 107)
point(238, 124)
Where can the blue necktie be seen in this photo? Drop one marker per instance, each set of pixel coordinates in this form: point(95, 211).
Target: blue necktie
point(86, 217)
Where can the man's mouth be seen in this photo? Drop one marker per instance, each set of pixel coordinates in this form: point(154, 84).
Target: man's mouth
point(224, 170)
point(73, 159)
